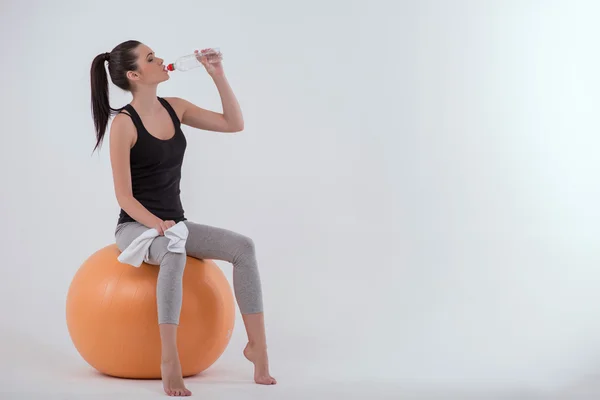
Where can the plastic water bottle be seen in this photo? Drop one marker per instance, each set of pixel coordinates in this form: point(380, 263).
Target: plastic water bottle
point(191, 61)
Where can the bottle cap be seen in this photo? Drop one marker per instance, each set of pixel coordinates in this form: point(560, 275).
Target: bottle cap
point(171, 67)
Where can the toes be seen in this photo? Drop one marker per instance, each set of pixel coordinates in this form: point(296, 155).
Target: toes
point(178, 392)
point(266, 381)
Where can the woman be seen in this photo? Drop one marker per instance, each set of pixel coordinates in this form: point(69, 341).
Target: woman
point(147, 148)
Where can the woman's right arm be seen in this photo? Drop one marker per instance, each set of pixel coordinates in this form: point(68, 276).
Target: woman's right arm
point(122, 138)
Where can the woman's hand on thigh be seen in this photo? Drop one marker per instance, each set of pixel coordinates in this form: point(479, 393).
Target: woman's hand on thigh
point(162, 226)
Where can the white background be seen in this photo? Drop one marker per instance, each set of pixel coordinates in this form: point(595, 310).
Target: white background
point(420, 180)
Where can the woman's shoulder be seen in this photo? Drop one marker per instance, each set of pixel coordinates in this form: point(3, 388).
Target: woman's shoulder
point(123, 129)
point(178, 104)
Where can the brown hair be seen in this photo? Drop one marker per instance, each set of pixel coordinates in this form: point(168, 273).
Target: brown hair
point(120, 60)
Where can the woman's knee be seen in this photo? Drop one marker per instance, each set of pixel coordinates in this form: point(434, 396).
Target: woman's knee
point(159, 253)
point(244, 247)
point(174, 260)
point(247, 244)
point(242, 243)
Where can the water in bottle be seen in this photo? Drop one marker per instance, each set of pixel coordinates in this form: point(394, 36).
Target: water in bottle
point(191, 61)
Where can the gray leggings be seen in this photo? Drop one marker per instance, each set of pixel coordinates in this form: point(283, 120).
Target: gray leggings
point(203, 242)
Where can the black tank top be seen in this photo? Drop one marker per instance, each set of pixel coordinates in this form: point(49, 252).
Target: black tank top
point(156, 169)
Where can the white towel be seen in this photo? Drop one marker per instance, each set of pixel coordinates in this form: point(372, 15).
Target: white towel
point(137, 251)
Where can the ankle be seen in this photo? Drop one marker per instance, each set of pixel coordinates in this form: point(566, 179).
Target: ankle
point(257, 345)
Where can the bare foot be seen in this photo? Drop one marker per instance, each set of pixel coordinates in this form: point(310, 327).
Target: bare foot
point(258, 356)
point(172, 379)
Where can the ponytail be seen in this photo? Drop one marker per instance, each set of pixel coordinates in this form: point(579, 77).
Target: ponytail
point(101, 109)
point(120, 60)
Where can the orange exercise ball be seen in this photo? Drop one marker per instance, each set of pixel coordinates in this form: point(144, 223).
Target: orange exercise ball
point(113, 322)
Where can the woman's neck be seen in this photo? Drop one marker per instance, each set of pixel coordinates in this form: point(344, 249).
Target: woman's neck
point(145, 101)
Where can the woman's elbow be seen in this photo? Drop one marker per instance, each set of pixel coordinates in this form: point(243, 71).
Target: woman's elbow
point(124, 200)
point(233, 128)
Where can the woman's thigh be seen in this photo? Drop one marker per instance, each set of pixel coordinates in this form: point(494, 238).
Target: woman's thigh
point(214, 243)
point(129, 231)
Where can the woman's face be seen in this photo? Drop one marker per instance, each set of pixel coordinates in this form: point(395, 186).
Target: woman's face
point(151, 69)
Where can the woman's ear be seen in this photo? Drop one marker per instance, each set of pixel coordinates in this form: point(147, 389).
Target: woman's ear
point(134, 76)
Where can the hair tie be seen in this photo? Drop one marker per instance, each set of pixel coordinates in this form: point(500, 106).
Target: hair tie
point(107, 56)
